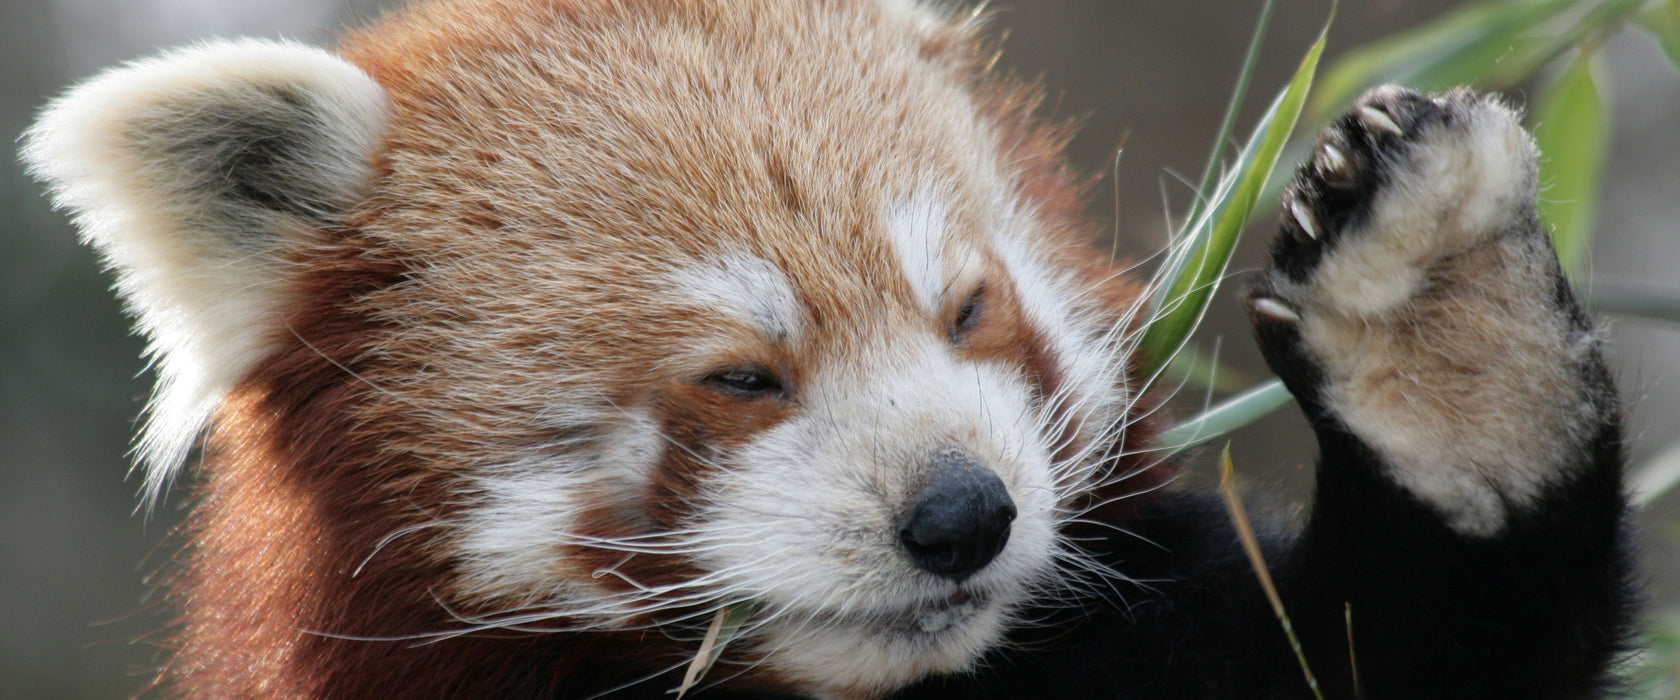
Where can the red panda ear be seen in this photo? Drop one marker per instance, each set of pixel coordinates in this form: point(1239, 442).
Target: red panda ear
point(193, 174)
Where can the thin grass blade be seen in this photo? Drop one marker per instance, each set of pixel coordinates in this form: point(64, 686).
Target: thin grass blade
point(1200, 256)
point(725, 626)
point(1257, 560)
point(1649, 303)
point(1226, 123)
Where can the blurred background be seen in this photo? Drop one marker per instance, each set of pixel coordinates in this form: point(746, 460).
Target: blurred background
point(77, 618)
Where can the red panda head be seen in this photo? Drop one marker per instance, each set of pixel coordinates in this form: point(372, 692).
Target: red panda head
point(595, 317)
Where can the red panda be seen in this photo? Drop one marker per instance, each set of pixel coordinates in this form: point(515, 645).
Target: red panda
point(525, 337)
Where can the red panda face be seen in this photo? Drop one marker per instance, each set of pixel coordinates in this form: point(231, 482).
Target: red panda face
point(688, 337)
point(775, 455)
point(747, 404)
point(618, 314)
point(761, 428)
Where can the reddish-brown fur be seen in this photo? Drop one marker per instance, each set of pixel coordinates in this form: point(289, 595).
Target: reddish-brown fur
point(394, 374)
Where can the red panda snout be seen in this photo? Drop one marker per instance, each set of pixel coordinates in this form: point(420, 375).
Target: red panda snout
point(960, 520)
point(888, 526)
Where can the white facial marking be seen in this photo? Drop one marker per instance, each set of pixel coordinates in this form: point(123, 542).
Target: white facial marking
point(916, 226)
point(1090, 353)
point(750, 288)
point(525, 510)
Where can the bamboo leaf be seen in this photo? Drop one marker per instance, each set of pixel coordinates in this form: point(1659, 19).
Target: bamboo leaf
point(1200, 255)
point(1481, 43)
point(1238, 94)
point(1651, 303)
point(1572, 132)
point(1662, 20)
point(1233, 413)
point(1493, 45)
point(1196, 368)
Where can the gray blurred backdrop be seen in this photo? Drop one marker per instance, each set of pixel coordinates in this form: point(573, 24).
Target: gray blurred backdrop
point(76, 616)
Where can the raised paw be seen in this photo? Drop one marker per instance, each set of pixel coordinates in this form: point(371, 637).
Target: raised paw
point(1398, 183)
point(1414, 301)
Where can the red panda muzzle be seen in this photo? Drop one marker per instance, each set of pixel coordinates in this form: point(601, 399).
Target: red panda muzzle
point(960, 520)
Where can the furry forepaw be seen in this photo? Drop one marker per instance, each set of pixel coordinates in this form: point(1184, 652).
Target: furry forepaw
point(1395, 185)
point(1414, 301)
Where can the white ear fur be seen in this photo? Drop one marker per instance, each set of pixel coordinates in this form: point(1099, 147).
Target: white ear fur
point(193, 173)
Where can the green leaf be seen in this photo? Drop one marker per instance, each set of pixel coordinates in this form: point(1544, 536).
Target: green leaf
point(1197, 262)
point(1648, 303)
point(1462, 46)
point(1196, 368)
point(1238, 94)
point(1233, 413)
point(1662, 20)
point(1572, 132)
point(1493, 45)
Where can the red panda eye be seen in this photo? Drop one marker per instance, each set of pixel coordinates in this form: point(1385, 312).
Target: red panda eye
point(968, 315)
point(746, 382)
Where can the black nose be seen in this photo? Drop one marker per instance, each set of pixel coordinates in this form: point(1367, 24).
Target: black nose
point(960, 521)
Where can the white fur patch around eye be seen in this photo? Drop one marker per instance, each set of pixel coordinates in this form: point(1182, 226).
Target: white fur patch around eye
point(916, 225)
point(749, 288)
point(149, 159)
point(1090, 354)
